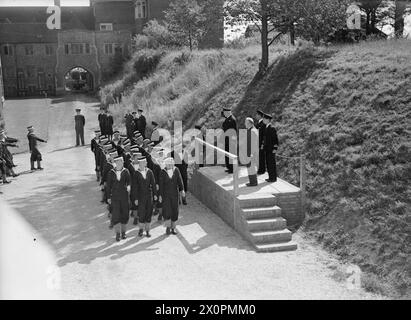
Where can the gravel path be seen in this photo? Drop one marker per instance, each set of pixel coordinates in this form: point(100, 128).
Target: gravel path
point(207, 260)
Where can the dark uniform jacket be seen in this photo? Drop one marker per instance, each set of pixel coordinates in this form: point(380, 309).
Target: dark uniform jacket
point(261, 132)
point(270, 139)
point(117, 190)
point(80, 122)
point(142, 189)
point(141, 124)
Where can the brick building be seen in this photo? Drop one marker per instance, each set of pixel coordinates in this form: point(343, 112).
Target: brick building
point(36, 59)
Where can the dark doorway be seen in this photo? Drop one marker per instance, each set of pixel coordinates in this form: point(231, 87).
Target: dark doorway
point(78, 79)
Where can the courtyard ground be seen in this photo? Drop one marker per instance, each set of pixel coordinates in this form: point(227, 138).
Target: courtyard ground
point(207, 260)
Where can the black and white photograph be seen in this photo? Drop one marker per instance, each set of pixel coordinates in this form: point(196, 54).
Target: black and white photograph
point(232, 151)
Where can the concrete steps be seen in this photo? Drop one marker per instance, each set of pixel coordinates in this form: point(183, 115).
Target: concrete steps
point(266, 227)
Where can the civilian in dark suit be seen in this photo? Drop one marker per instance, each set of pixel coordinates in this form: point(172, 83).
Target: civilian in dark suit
point(80, 122)
point(270, 147)
point(229, 125)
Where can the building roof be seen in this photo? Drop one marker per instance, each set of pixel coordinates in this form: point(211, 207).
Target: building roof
point(26, 33)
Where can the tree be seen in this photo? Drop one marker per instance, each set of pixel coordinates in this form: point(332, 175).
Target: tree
point(186, 20)
point(370, 8)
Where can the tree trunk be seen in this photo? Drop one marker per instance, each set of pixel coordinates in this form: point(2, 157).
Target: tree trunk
point(292, 34)
point(367, 23)
point(373, 20)
point(400, 7)
point(264, 36)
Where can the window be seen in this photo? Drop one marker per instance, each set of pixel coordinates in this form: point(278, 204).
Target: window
point(108, 48)
point(141, 9)
point(29, 50)
point(87, 48)
point(106, 26)
point(49, 50)
point(8, 50)
point(76, 48)
point(66, 49)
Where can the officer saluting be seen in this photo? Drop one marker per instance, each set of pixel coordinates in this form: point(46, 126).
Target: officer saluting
point(230, 128)
point(80, 122)
point(35, 153)
point(270, 147)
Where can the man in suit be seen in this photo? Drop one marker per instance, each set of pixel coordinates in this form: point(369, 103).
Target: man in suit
point(80, 122)
point(141, 123)
point(230, 129)
point(270, 147)
point(261, 133)
point(252, 152)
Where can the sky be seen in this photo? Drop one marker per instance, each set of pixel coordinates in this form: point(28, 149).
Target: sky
point(42, 3)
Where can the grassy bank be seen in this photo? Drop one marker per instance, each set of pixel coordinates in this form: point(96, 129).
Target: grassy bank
point(348, 109)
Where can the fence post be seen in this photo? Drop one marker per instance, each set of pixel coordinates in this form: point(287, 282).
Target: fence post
point(302, 183)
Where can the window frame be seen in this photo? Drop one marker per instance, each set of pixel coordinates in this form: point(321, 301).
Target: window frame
point(106, 24)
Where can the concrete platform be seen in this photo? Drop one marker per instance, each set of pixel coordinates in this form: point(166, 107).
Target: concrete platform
point(255, 211)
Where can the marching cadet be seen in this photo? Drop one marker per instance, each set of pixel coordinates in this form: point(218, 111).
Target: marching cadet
point(153, 163)
point(141, 122)
point(252, 152)
point(94, 149)
point(106, 167)
point(171, 185)
point(6, 154)
point(126, 154)
point(261, 133)
point(132, 168)
point(143, 194)
point(102, 121)
point(35, 153)
point(130, 126)
point(155, 135)
point(181, 162)
point(80, 122)
point(270, 147)
point(118, 190)
point(230, 128)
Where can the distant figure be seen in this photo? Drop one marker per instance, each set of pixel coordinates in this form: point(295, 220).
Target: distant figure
point(141, 122)
point(7, 156)
point(6, 164)
point(252, 152)
point(102, 120)
point(155, 135)
point(230, 123)
point(109, 125)
point(35, 153)
point(270, 147)
point(80, 122)
point(261, 133)
point(130, 125)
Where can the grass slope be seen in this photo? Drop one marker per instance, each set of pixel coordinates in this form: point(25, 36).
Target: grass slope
point(348, 109)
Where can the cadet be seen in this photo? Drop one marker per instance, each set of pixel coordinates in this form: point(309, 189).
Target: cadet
point(171, 184)
point(35, 153)
point(143, 195)
point(141, 122)
point(132, 168)
point(80, 122)
point(261, 133)
point(270, 147)
point(118, 189)
point(230, 128)
point(94, 149)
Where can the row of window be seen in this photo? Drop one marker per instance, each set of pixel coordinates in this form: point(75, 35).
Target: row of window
point(69, 48)
point(8, 50)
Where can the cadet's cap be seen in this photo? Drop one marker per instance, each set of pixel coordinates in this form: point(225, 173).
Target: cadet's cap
point(114, 154)
point(268, 116)
point(198, 127)
point(116, 132)
point(137, 155)
point(123, 136)
point(78, 110)
point(145, 141)
point(97, 131)
point(134, 150)
point(136, 132)
point(29, 127)
point(151, 144)
point(127, 142)
point(134, 112)
point(119, 159)
point(142, 158)
point(261, 113)
point(227, 109)
point(140, 110)
point(154, 123)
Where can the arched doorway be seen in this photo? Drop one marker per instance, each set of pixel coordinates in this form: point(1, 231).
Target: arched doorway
point(78, 79)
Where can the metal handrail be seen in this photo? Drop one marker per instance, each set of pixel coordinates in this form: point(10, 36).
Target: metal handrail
point(229, 155)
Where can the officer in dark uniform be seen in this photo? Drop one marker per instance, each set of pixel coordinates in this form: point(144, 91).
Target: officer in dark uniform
point(102, 120)
point(230, 128)
point(141, 123)
point(270, 147)
point(130, 125)
point(80, 122)
point(261, 133)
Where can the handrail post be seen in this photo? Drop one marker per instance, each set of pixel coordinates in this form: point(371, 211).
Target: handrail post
point(235, 176)
point(302, 183)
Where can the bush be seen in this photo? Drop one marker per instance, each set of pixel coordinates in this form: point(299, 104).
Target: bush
point(155, 36)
